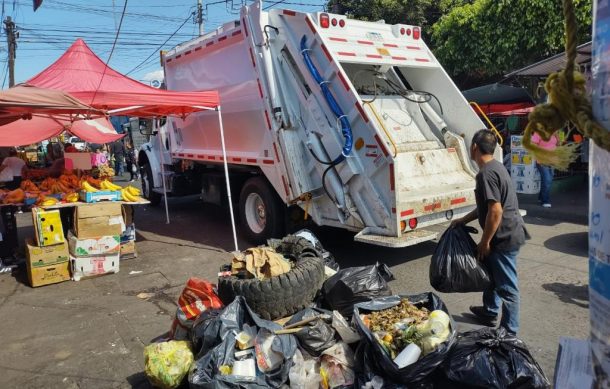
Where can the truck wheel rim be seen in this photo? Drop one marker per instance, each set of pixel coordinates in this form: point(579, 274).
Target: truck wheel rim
point(255, 213)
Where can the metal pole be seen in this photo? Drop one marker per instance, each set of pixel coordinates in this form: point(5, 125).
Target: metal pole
point(160, 134)
point(226, 165)
point(200, 16)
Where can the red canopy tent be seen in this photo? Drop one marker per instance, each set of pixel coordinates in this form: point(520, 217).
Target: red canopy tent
point(85, 76)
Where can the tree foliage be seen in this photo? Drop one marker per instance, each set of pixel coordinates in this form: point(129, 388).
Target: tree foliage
point(488, 38)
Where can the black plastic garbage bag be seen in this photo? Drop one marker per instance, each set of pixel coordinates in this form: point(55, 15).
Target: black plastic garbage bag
point(205, 371)
point(376, 358)
point(316, 336)
point(492, 358)
point(454, 266)
point(206, 331)
point(353, 285)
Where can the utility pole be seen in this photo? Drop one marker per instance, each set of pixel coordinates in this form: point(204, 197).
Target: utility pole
point(11, 40)
point(200, 16)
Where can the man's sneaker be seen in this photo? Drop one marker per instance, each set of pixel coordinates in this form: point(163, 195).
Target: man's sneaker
point(546, 205)
point(484, 317)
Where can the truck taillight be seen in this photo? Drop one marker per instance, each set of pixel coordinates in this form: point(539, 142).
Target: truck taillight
point(402, 31)
point(324, 21)
point(408, 31)
point(413, 223)
point(341, 23)
point(416, 32)
point(334, 22)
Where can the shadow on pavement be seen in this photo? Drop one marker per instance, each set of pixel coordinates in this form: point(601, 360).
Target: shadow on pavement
point(138, 381)
point(574, 243)
point(570, 293)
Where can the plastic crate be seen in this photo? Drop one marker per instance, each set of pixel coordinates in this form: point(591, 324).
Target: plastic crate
point(102, 195)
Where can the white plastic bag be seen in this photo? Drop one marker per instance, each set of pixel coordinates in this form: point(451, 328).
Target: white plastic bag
point(347, 334)
point(304, 374)
point(336, 366)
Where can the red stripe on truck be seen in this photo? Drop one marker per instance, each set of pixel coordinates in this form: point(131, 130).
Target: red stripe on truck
point(268, 120)
point(391, 176)
point(236, 33)
point(198, 48)
point(362, 113)
point(343, 80)
point(408, 212)
point(458, 201)
point(251, 160)
point(252, 58)
point(383, 148)
point(260, 87)
point(432, 207)
point(366, 42)
point(390, 45)
point(222, 38)
point(413, 48)
point(346, 54)
point(422, 60)
point(376, 56)
point(326, 52)
point(400, 58)
point(285, 186)
point(289, 12)
point(236, 159)
point(337, 39)
point(188, 52)
point(245, 28)
point(268, 161)
point(277, 155)
point(310, 24)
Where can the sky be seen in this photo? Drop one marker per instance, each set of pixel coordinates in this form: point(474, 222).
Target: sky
point(147, 24)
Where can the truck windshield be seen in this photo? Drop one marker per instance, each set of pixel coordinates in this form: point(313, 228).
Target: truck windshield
point(374, 80)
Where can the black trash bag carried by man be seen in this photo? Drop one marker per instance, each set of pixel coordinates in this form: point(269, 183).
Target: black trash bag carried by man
point(454, 267)
point(353, 285)
point(372, 355)
point(224, 329)
point(493, 358)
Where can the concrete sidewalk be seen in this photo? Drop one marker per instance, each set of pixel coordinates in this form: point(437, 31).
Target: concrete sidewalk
point(90, 334)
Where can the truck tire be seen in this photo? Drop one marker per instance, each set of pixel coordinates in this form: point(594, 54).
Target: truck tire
point(148, 185)
point(260, 211)
point(278, 296)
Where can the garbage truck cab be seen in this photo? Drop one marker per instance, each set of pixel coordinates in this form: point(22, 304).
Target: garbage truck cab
point(355, 122)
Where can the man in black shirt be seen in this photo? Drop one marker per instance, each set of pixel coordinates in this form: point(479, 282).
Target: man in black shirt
point(503, 233)
point(118, 151)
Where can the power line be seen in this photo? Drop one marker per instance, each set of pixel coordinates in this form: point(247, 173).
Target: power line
point(160, 47)
point(116, 38)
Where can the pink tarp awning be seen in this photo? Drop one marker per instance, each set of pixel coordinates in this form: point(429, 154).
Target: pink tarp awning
point(26, 132)
point(85, 76)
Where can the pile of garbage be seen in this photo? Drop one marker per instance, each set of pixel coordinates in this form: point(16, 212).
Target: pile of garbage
point(349, 330)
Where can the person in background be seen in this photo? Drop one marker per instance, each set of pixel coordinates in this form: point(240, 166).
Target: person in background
point(131, 162)
point(118, 151)
point(503, 234)
point(546, 172)
point(69, 148)
point(16, 166)
point(57, 167)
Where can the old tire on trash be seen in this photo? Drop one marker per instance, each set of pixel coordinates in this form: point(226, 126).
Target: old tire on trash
point(260, 211)
point(279, 296)
point(148, 185)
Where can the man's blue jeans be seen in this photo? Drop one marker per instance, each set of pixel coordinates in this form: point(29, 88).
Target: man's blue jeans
point(118, 167)
point(505, 288)
point(546, 181)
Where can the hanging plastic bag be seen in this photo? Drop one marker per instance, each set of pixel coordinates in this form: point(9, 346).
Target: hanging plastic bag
point(491, 358)
point(345, 331)
point(315, 336)
point(210, 370)
point(304, 373)
point(377, 360)
point(353, 285)
point(198, 296)
point(337, 366)
point(167, 363)
point(454, 266)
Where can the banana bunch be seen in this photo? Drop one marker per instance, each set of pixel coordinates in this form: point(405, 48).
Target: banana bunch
point(107, 185)
point(72, 197)
point(87, 187)
point(47, 201)
point(130, 194)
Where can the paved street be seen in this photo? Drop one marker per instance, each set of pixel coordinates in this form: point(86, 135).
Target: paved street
point(90, 334)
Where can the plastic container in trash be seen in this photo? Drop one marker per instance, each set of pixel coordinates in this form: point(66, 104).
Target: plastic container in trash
point(408, 356)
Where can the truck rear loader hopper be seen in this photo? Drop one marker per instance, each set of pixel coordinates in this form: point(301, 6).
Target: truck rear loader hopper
point(355, 122)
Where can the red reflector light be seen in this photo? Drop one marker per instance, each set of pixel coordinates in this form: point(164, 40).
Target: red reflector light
point(334, 22)
point(324, 21)
point(341, 23)
point(408, 31)
point(413, 223)
point(416, 32)
point(402, 31)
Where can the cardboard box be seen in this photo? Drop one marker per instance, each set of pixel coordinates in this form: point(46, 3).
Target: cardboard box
point(129, 233)
point(85, 267)
point(95, 220)
point(46, 275)
point(46, 255)
point(47, 227)
point(128, 250)
point(102, 245)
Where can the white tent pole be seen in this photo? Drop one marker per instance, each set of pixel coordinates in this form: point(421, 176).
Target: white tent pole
point(162, 174)
point(226, 165)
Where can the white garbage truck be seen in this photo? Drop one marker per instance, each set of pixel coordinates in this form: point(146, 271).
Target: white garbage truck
point(354, 123)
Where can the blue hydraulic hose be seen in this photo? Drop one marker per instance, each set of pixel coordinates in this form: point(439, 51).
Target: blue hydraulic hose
point(346, 129)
